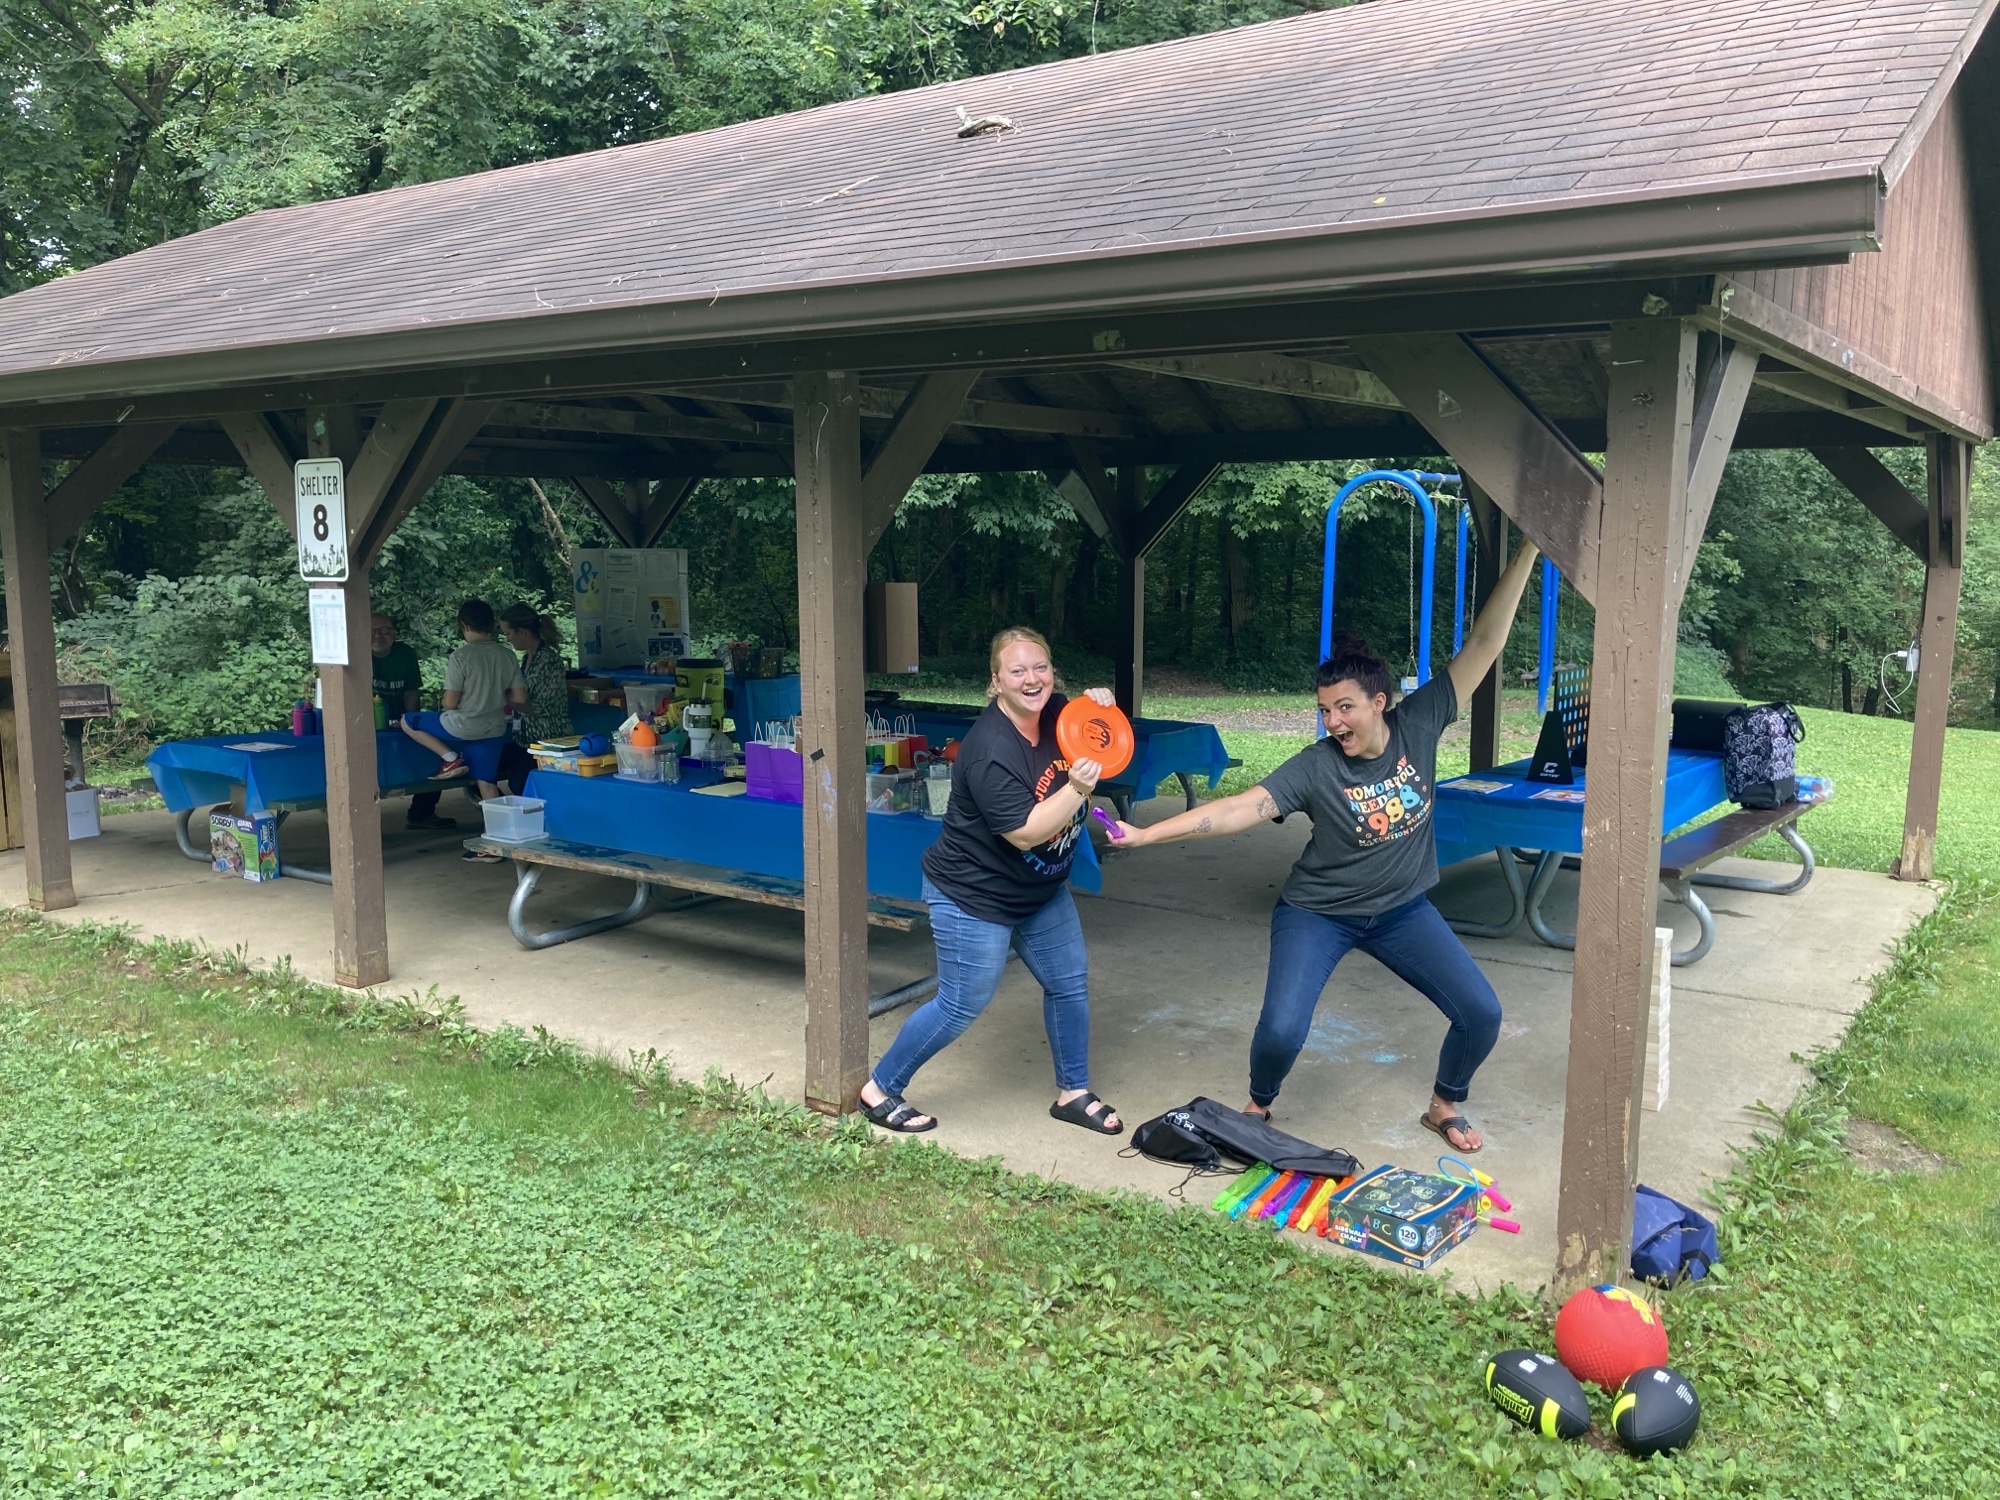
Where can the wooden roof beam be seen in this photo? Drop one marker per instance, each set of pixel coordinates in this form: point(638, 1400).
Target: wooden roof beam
point(1818, 391)
point(882, 403)
point(1280, 374)
point(97, 478)
point(450, 427)
point(556, 416)
point(1508, 448)
point(1888, 499)
point(928, 408)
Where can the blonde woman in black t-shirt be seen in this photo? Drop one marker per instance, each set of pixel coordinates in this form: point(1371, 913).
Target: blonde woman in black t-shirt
point(1362, 881)
point(998, 879)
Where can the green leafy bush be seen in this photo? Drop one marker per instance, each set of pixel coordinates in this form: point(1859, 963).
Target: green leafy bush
point(205, 654)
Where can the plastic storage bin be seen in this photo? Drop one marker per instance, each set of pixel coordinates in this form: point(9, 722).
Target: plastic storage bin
point(638, 762)
point(513, 820)
point(84, 822)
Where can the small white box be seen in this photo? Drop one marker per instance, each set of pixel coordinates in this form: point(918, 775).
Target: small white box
point(513, 820)
point(84, 821)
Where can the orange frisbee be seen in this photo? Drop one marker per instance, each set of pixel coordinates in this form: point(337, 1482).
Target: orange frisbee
point(1091, 731)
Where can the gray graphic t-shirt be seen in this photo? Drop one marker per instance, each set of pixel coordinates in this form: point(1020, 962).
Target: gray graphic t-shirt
point(1372, 847)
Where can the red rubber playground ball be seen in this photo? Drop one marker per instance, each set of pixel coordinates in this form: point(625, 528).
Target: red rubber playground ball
point(1093, 731)
point(1604, 1334)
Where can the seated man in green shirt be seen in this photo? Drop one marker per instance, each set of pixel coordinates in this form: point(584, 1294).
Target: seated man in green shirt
point(399, 684)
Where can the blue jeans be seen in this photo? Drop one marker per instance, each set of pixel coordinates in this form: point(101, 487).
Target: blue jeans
point(1413, 943)
point(970, 957)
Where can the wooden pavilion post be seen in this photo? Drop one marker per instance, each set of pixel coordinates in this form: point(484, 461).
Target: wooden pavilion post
point(31, 633)
point(1128, 656)
point(1949, 480)
point(833, 561)
point(347, 701)
point(1640, 552)
point(1489, 532)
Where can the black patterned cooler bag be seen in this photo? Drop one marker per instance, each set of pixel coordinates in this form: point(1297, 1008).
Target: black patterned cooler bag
point(1758, 768)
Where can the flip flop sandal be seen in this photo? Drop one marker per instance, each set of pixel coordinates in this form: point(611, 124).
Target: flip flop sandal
point(894, 1113)
point(482, 857)
point(1077, 1112)
point(1442, 1130)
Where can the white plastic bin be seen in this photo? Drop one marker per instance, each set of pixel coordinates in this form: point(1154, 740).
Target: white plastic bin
point(513, 820)
point(84, 821)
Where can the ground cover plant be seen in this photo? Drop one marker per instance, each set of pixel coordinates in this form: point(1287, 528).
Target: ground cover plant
point(257, 1236)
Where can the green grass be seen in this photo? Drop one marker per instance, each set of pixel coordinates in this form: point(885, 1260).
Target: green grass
point(257, 1237)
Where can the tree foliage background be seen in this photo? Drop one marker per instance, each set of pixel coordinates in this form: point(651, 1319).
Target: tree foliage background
point(129, 123)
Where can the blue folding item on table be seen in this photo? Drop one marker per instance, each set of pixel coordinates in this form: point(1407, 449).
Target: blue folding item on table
point(678, 821)
point(198, 773)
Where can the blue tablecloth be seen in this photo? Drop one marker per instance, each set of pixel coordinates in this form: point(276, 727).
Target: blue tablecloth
point(1162, 748)
point(1524, 814)
point(738, 832)
point(195, 773)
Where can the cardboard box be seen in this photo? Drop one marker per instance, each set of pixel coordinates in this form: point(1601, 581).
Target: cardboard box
point(889, 628)
point(1411, 1218)
point(245, 846)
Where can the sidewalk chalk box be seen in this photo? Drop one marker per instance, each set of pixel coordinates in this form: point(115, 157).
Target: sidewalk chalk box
point(1411, 1218)
point(244, 846)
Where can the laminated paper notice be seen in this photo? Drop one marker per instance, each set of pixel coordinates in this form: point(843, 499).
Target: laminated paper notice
point(327, 609)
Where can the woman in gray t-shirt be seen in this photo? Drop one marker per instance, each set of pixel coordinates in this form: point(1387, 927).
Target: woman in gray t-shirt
point(1361, 882)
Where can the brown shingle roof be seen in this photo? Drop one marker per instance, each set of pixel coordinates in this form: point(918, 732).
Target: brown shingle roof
point(1340, 122)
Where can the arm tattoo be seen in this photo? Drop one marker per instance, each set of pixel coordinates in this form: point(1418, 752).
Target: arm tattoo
point(1267, 805)
point(1206, 825)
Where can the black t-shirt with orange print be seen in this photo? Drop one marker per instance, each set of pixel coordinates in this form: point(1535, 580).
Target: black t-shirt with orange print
point(995, 784)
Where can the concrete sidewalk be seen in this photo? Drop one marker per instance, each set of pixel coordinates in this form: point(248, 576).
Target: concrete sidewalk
point(1178, 944)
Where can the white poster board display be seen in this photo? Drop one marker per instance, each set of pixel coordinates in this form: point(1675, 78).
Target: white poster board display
point(327, 609)
point(319, 489)
point(631, 605)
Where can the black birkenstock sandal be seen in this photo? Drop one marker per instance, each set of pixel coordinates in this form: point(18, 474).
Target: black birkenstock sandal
point(1077, 1112)
point(895, 1113)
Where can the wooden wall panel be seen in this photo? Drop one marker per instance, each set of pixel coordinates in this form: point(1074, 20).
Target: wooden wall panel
point(1915, 306)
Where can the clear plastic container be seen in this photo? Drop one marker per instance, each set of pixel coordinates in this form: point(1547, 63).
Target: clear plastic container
point(890, 791)
point(513, 820)
point(638, 762)
point(936, 790)
point(669, 761)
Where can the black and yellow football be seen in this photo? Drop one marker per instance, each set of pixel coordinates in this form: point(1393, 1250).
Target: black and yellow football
point(1656, 1411)
point(1536, 1391)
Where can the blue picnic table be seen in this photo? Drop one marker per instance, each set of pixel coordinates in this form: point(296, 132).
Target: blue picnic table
point(274, 772)
point(688, 821)
point(1500, 812)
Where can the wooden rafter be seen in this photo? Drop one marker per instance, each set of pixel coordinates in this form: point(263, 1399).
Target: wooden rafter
point(453, 425)
point(98, 477)
point(1718, 407)
point(1312, 380)
point(1816, 390)
point(267, 453)
point(1515, 454)
point(920, 421)
point(880, 403)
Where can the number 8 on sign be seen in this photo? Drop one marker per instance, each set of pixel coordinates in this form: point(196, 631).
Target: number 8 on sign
point(320, 485)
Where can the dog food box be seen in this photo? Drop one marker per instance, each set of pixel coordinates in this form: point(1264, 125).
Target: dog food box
point(244, 846)
point(1411, 1218)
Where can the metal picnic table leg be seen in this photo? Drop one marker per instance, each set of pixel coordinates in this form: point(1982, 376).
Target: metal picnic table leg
point(181, 820)
point(1790, 834)
point(1515, 895)
point(527, 877)
point(1678, 890)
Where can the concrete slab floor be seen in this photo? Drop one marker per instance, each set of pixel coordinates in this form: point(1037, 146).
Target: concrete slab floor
point(1178, 945)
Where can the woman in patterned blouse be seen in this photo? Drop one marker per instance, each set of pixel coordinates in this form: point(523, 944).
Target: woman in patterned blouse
point(547, 715)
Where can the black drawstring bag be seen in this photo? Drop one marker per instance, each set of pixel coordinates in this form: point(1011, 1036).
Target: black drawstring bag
point(1202, 1135)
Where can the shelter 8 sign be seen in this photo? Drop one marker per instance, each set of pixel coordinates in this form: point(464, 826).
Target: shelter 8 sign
point(320, 487)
